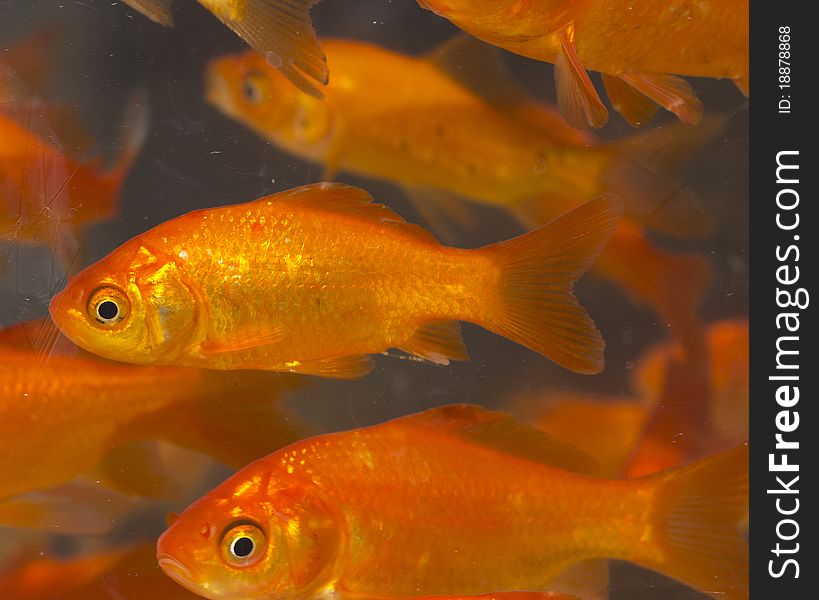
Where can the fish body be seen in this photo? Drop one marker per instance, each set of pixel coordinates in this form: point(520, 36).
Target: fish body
point(75, 411)
point(314, 279)
point(456, 500)
point(638, 46)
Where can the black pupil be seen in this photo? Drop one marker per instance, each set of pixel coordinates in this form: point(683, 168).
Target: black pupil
point(250, 91)
point(107, 310)
point(243, 547)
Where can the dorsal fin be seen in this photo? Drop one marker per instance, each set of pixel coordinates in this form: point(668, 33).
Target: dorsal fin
point(354, 202)
point(499, 430)
point(479, 68)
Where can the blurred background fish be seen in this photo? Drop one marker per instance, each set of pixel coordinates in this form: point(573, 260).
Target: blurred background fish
point(280, 30)
point(51, 186)
point(451, 126)
point(85, 415)
point(635, 45)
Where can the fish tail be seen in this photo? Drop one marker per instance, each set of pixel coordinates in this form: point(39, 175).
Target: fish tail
point(700, 508)
point(652, 275)
point(645, 170)
point(534, 304)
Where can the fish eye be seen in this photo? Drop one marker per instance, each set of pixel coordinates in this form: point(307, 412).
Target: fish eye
point(108, 305)
point(243, 544)
point(253, 87)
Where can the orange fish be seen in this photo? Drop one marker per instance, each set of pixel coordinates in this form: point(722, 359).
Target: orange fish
point(701, 402)
point(454, 500)
point(639, 47)
point(315, 279)
point(430, 125)
point(46, 194)
point(280, 30)
point(83, 414)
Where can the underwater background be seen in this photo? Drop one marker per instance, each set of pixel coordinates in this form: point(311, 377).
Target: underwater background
point(195, 157)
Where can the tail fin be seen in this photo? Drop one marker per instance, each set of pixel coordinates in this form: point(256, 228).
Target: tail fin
point(646, 169)
point(652, 275)
point(700, 507)
point(534, 304)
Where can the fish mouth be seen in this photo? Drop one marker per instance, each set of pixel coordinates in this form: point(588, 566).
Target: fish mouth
point(177, 571)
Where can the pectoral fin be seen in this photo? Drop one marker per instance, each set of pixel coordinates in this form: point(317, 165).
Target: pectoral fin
point(240, 343)
point(577, 99)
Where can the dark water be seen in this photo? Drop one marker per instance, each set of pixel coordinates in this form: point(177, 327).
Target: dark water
point(195, 158)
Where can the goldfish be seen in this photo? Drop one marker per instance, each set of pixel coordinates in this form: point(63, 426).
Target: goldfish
point(453, 500)
point(81, 414)
point(130, 570)
point(47, 195)
point(279, 30)
point(641, 48)
point(314, 279)
point(430, 125)
point(700, 401)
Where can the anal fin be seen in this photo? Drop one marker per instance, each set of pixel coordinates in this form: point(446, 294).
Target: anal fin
point(669, 91)
point(577, 99)
point(635, 107)
point(438, 342)
point(239, 344)
point(342, 367)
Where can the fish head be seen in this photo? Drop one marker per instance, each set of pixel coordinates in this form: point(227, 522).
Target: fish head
point(252, 538)
point(133, 306)
point(248, 89)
